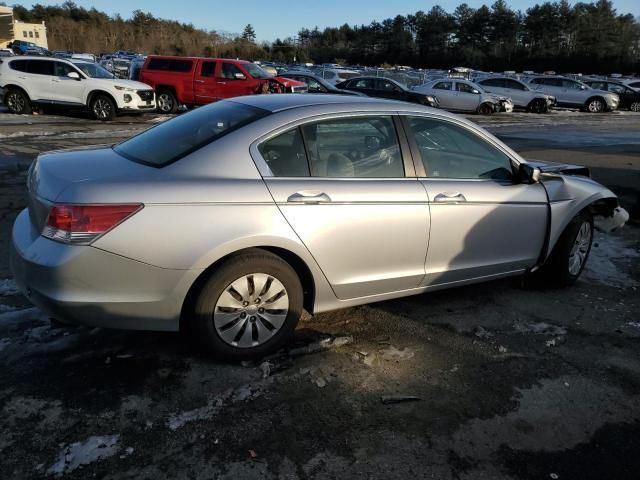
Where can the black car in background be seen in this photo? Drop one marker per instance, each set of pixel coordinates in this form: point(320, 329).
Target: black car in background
point(629, 98)
point(387, 88)
point(317, 84)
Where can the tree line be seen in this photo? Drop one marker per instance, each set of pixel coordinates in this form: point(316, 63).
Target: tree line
point(586, 37)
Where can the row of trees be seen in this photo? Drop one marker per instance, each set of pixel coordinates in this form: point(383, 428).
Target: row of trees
point(586, 37)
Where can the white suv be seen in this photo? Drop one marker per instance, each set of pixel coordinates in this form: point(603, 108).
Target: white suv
point(28, 81)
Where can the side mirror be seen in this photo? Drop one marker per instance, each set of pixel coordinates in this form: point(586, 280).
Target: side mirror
point(74, 75)
point(239, 76)
point(528, 174)
point(476, 92)
point(371, 142)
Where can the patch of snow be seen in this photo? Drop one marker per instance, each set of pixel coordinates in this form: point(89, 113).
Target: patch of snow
point(540, 328)
point(8, 287)
point(83, 453)
point(605, 260)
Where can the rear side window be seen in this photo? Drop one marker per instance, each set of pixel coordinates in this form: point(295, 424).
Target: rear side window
point(176, 138)
point(40, 67)
point(19, 65)
point(208, 69)
point(285, 154)
point(170, 64)
point(450, 151)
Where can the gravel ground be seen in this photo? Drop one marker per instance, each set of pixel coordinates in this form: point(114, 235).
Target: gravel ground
point(502, 382)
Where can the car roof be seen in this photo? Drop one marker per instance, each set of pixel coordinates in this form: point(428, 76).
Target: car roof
point(280, 103)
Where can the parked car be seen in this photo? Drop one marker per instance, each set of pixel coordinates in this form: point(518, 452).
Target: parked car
point(315, 84)
point(387, 88)
point(573, 93)
point(20, 47)
point(521, 95)
point(29, 81)
point(629, 98)
point(336, 75)
point(268, 204)
point(465, 96)
point(634, 83)
point(6, 52)
point(198, 81)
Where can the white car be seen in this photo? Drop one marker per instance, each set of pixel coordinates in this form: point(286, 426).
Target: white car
point(28, 81)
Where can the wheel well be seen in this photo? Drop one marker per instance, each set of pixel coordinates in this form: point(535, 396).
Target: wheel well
point(596, 97)
point(16, 87)
point(160, 88)
point(299, 265)
point(92, 94)
point(604, 207)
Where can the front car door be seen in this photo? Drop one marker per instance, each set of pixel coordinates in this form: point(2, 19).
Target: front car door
point(343, 184)
point(466, 97)
point(517, 92)
point(205, 86)
point(574, 92)
point(484, 224)
point(233, 82)
point(386, 88)
point(62, 88)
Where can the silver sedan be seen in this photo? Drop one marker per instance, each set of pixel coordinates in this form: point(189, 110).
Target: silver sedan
point(231, 219)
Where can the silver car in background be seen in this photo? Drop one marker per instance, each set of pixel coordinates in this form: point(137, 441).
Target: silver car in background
point(229, 220)
point(573, 93)
point(460, 95)
point(521, 95)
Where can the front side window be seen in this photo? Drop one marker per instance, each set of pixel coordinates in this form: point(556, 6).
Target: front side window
point(571, 85)
point(387, 86)
point(93, 70)
point(357, 147)
point(62, 69)
point(463, 87)
point(256, 71)
point(285, 154)
point(442, 86)
point(229, 71)
point(180, 136)
point(363, 83)
point(451, 151)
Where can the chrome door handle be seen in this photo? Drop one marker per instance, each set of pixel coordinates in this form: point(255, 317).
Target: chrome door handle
point(55, 80)
point(302, 197)
point(449, 197)
point(199, 81)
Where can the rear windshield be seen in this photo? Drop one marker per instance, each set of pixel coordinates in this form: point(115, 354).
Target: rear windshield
point(185, 134)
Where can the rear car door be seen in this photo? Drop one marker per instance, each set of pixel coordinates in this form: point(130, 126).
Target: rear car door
point(344, 185)
point(483, 222)
point(233, 82)
point(39, 74)
point(205, 85)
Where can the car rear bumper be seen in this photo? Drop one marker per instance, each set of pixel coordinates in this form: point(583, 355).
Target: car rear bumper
point(89, 286)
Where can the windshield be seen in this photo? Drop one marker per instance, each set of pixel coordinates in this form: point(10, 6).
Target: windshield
point(176, 138)
point(255, 71)
point(93, 70)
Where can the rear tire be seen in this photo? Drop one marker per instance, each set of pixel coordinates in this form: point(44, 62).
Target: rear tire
point(569, 256)
point(249, 306)
point(166, 102)
point(103, 108)
point(17, 101)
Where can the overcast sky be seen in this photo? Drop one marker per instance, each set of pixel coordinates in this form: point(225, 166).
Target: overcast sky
point(272, 19)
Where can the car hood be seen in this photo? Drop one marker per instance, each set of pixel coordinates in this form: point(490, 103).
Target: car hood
point(111, 82)
point(287, 82)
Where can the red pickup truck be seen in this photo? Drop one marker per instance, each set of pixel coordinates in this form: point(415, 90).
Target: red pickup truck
point(197, 81)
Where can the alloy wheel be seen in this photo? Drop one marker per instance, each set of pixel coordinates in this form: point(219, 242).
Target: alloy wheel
point(635, 107)
point(251, 310)
point(102, 109)
point(595, 106)
point(580, 249)
point(165, 102)
point(16, 102)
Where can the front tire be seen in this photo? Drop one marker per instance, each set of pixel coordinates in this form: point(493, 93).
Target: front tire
point(538, 105)
point(595, 105)
point(166, 102)
point(485, 109)
point(18, 102)
point(103, 108)
point(635, 107)
point(249, 306)
point(569, 256)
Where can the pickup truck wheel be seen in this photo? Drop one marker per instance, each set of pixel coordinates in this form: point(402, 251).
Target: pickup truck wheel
point(18, 102)
point(166, 102)
point(103, 108)
point(569, 256)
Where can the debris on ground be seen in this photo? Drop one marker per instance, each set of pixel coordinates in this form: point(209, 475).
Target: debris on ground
point(391, 399)
point(266, 367)
point(322, 345)
point(540, 328)
point(392, 354)
point(481, 332)
point(502, 349)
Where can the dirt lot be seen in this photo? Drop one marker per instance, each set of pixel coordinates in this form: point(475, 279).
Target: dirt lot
point(510, 383)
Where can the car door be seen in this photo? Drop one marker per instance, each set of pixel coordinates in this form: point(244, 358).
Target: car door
point(38, 79)
point(62, 88)
point(517, 92)
point(465, 98)
point(205, 84)
point(483, 222)
point(445, 94)
point(574, 92)
point(233, 82)
point(362, 85)
point(348, 190)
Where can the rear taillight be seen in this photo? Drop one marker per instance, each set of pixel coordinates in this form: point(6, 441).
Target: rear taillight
point(81, 224)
